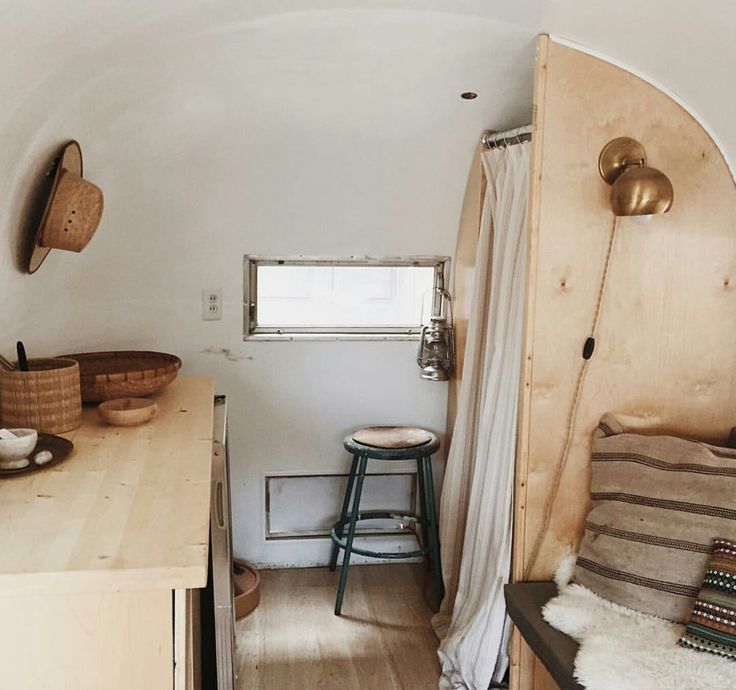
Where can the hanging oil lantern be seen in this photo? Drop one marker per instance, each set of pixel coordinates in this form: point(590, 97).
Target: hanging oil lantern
point(436, 356)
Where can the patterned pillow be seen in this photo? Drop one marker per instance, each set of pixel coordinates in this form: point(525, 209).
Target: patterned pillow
point(657, 504)
point(712, 625)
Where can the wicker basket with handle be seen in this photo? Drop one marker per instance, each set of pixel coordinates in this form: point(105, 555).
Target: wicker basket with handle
point(124, 374)
point(46, 398)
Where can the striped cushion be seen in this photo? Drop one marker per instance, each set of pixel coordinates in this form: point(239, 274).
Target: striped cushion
point(712, 624)
point(657, 504)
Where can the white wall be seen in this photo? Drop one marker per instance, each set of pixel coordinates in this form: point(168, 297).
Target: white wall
point(219, 128)
point(215, 134)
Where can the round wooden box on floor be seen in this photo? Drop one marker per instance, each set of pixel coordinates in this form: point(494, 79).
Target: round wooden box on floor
point(247, 588)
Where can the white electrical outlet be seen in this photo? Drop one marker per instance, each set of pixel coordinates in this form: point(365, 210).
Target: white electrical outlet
point(211, 305)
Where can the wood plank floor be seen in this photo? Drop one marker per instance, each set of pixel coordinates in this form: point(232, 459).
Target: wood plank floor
point(383, 640)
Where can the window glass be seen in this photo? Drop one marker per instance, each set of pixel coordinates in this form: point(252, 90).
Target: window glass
point(339, 297)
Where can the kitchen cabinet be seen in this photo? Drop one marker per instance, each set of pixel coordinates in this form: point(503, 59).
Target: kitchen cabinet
point(102, 556)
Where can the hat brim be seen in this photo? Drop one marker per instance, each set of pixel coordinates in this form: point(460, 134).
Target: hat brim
point(70, 159)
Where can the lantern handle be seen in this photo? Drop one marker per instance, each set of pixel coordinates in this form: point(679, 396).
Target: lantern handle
point(447, 300)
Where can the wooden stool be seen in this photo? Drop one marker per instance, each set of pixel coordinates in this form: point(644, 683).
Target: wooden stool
point(388, 443)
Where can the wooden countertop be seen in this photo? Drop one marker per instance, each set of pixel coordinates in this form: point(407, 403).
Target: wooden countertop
point(129, 509)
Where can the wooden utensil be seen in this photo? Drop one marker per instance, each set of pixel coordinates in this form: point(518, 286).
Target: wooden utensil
point(7, 364)
point(22, 359)
point(127, 411)
point(59, 448)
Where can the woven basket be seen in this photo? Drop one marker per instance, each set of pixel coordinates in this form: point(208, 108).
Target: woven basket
point(46, 398)
point(127, 374)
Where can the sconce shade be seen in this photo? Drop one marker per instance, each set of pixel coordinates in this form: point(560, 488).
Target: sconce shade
point(641, 191)
point(636, 188)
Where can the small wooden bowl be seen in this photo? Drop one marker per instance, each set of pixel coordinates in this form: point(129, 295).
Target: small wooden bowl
point(247, 585)
point(127, 411)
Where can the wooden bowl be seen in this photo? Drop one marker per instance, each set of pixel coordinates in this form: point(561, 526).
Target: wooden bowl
point(247, 584)
point(130, 373)
point(127, 411)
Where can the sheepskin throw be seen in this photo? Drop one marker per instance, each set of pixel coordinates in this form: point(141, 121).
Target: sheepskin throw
point(657, 504)
point(620, 648)
point(712, 625)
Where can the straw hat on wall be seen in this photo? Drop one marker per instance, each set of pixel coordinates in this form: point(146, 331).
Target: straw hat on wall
point(73, 210)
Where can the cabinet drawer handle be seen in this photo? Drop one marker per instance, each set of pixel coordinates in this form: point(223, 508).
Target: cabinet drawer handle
point(220, 505)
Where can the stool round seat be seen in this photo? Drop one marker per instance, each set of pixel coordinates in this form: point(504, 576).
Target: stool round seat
point(392, 442)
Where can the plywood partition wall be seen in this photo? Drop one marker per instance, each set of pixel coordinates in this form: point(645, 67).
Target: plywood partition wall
point(463, 275)
point(666, 344)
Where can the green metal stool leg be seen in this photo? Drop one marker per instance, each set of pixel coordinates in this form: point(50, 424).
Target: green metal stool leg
point(351, 534)
point(344, 511)
point(433, 530)
point(423, 507)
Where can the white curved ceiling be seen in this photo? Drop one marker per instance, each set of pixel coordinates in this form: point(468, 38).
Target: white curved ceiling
point(689, 50)
point(686, 50)
point(343, 114)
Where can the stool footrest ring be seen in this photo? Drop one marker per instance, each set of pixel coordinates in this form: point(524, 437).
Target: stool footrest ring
point(378, 515)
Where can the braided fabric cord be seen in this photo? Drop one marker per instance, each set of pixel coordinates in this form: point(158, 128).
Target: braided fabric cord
point(572, 416)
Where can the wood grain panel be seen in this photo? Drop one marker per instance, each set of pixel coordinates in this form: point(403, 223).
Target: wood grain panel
point(664, 355)
point(667, 333)
point(187, 640)
point(129, 509)
point(464, 274)
point(542, 679)
point(521, 663)
point(116, 641)
point(524, 418)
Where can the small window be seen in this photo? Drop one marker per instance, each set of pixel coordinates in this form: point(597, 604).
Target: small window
point(339, 298)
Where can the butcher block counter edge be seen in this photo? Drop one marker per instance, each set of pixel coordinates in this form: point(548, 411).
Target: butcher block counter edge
point(129, 509)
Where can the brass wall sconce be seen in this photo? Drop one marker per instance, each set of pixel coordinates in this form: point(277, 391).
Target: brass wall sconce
point(636, 188)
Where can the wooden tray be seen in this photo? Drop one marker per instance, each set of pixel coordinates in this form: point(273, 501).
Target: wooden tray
point(124, 374)
point(59, 447)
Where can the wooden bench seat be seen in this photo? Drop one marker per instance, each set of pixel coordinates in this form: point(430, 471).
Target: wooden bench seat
point(524, 602)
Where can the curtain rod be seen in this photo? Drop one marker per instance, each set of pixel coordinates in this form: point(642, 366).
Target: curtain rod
point(494, 140)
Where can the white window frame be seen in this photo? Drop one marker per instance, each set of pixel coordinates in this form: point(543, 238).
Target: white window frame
point(252, 331)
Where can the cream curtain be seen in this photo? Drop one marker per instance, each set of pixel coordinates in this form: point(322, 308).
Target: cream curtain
point(476, 512)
